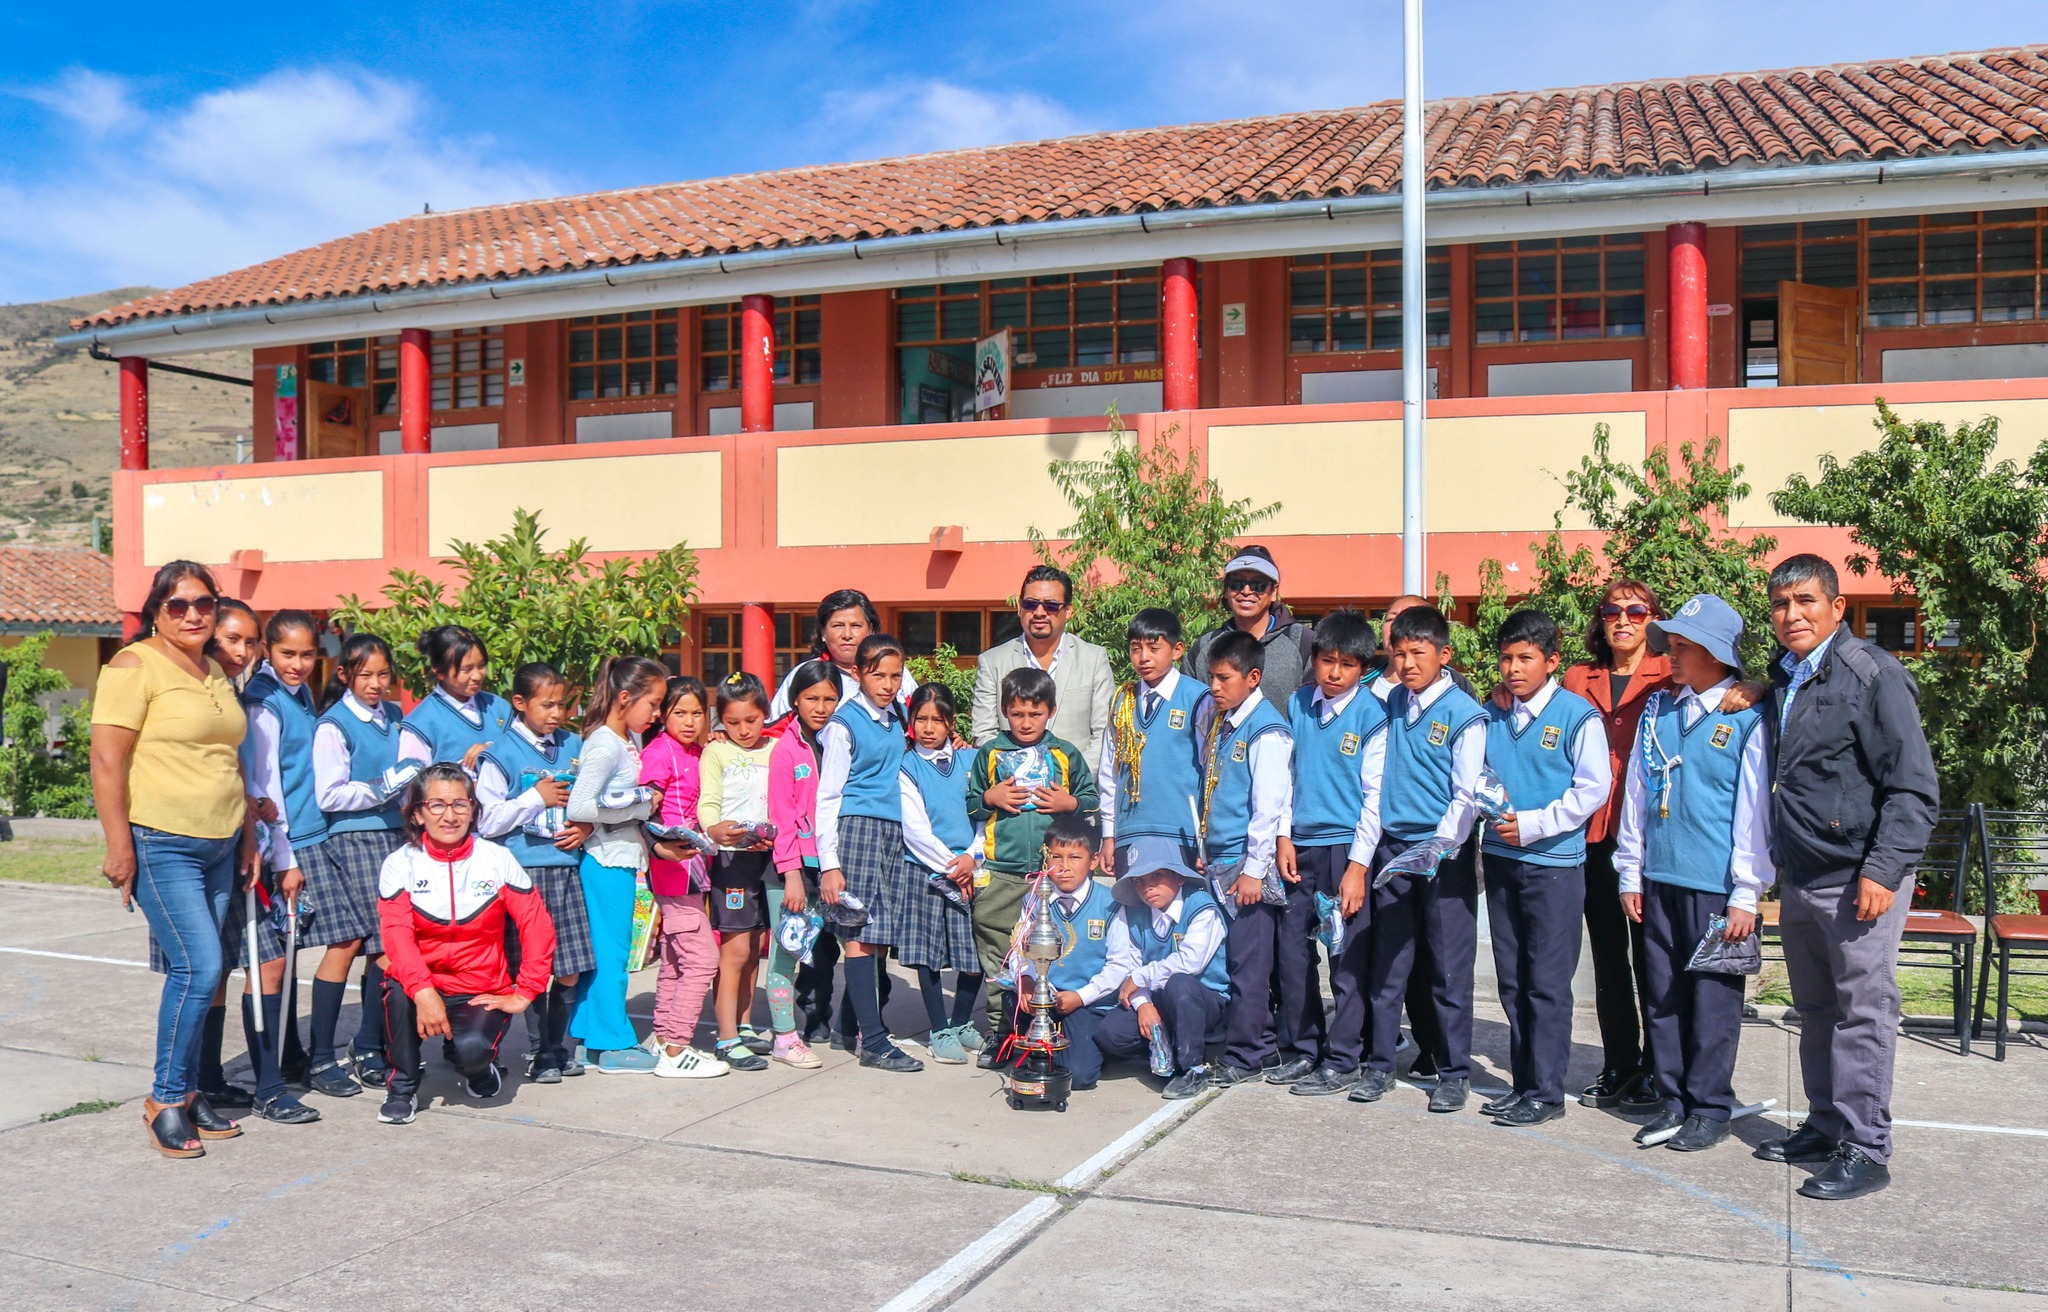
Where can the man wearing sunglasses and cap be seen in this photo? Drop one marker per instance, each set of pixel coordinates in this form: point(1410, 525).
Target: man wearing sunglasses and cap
point(1081, 676)
point(1251, 593)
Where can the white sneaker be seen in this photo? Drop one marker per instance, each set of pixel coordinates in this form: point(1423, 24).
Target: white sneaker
point(689, 1064)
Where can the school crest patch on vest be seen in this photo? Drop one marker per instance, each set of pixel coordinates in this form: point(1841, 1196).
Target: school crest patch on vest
point(1176, 719)
point(1237, 751)
point(1723, 734)
point(1551, 736)
point(1348, 744)
point(1097, 928)
point(1439, 733)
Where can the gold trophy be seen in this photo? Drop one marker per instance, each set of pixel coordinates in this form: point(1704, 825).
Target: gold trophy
point(1040, 1078)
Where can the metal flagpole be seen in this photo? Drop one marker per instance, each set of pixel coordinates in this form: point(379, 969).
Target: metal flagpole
point(1414, 301)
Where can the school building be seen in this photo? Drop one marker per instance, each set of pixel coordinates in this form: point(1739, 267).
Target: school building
point(780, 368)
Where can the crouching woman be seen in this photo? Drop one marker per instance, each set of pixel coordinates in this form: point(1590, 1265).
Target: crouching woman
point(443, 900)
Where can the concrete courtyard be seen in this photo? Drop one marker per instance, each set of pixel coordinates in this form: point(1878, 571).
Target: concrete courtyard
point(841, 1188)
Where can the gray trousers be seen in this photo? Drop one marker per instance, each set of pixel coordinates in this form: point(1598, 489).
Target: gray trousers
point(1846, 991)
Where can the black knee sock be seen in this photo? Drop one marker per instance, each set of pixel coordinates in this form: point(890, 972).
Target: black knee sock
point(263, 1047)
point(210, 1034)
point(966, 998)
point(327, 996)
point(867, 1003)
point(561, 1005)
point(934, 992)
point(294, 1052)
point(370, 1031)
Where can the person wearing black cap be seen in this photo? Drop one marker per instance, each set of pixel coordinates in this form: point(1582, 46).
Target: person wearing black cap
point(1251, 593)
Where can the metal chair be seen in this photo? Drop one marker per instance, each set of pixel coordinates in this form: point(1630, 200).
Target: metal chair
point(1937, 939)
point(2009, 842)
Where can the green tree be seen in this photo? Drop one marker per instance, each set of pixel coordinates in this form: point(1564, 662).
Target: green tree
point(529, 603)
point(1148, 530)
point(41, 780)
point(943, 666)
point(1936, 518)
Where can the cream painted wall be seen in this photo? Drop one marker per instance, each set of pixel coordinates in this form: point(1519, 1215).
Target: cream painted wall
point(615, 503)
point(77, 659)
point(289, 517)
point(1493, 473)
point(862, 493)
point(1772, 443)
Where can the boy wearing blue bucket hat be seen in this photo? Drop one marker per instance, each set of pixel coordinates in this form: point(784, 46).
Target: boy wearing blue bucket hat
point(1694, 847)
point(1167, 944)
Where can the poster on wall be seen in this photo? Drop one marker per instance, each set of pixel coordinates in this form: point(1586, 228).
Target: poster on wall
point(991, 371)
point(287, 412)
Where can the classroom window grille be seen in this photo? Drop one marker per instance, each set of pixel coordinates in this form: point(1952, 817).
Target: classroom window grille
point(797, 357)
point(1934, 269)
point(468, 368)
point(622, 355)
point(1056, 321)
point(1558, 289)
point(967, 632)
point(1351, 301)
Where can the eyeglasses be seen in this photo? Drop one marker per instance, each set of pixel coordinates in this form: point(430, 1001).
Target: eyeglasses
point(177, 607)
point(439, 808)
point(1614, 611)
point(1254, 583)
point(1040, 605)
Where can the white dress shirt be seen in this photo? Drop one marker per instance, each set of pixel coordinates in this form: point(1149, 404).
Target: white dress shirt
point(1382, 686)
point(919, 841)
point(1468, 758)
point(266, 780)
point(1750, 864)
point(337, 792)
point(499, 814)
point(1272, 801)
point(1106, 773)
point(835, 763)
point(1201, 941)
point(1592, 776)
point(1104, 982)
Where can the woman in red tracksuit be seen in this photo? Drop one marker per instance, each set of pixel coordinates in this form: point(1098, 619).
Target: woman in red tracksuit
point(442, 903)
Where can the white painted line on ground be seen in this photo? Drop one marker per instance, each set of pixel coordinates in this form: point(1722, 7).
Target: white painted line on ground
point(73, 956)
point(1087, 1173)
point(1959, 1126)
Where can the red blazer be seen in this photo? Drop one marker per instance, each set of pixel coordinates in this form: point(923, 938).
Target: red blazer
point(1591, 682)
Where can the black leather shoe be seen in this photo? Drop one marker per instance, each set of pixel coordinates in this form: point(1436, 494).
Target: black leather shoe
point(1850, 1173)
point(1696, 1135)
point(210, 1123)
point(230, 1098)
point(1291, 1072)
point(1322, 1082)
point(1495, 1106)
point(1668, 1121)
point(1189, 1083)
point(1371, 1085)
point(1529, 1112)
point(1223, 1074)
point(1607, 1090)
point(286, 1110)
point(894, 1060)
point(1450, 1095)
point(1804, 1144)
point(332, 1079)
point(1641, 1096)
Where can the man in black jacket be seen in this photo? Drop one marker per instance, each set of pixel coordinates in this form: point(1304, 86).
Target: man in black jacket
point(1853, 797)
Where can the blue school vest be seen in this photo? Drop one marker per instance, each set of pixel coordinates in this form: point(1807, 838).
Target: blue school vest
point(304, 824)
point(1417, 794)
point(521, 763)
point(1329, 796)
point(872, 787)
point(1151, 947)
point(1087, 944)
point(1229, 813)
point(448, 733)
point(945, 799)
point(1694, 846)
point(1536, 765)
point(370, 753)
point(1168, 772)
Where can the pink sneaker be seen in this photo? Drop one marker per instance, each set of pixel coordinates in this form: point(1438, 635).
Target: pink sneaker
point(791, 1050)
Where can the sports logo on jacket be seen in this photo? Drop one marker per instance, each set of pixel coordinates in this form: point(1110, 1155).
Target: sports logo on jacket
point(1176, 719)
point(1723, 733)
point(1551, 736)
point(1439, 733)
point(1348, 744)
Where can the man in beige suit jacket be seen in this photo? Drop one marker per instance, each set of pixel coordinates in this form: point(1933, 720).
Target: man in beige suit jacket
point(1080, 670)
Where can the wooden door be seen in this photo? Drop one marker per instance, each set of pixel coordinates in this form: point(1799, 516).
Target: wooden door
point(1817, 335)
point(335, 420)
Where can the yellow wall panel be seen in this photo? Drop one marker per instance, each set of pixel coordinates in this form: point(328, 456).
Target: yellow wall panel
point(1773, 443)
point(1328, 477)
point(1505, 473)
point(879, 493)
point(614, 503)
point(291, 517)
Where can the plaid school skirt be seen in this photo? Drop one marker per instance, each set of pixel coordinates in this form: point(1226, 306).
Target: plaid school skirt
point(341, 886)
point(931, 931)
point(561, 888)
point(871, 858)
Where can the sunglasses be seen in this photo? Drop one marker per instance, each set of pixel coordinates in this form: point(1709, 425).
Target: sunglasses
point(1248, 583)
point(1040, 606)
point(438, 807)
point(1614, 611)
point(178, 607)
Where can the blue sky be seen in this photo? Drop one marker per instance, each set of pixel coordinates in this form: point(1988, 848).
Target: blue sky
point(141, 147)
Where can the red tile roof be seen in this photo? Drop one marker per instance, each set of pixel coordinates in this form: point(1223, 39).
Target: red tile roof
point(1963, 103)
point(48, 587)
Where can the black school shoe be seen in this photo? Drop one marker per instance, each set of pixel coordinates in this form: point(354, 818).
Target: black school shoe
point(892, 1059)
point(1697, 1135)
point(1450, 1095)
point(542, 1072)
point(1371, 1085)
point(1669, 1120)
point(1606, 1091)
point(1223, 1074)
point(230, 1097)
point(1641, 1096)
point(1495, 1106)
point(1322, 1082)
point(1527, 1112)
point(1191, 1082)
point(1850, 1173)
point(286, 1110)
point(1804, 1144)
point(1291, 1072)
point(332, 1079)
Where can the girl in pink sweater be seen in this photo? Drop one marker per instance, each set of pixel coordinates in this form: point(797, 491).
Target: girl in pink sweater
point(678, 878)
point(813, 690)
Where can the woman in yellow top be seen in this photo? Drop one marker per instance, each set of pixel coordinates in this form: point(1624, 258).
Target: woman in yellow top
point(167, 782)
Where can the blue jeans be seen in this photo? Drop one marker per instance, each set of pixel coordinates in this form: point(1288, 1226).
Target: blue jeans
point(183, 885)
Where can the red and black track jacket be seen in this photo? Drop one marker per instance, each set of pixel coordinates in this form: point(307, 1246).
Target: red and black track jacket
point(443, 913)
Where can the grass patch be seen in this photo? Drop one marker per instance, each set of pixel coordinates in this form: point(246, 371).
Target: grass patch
point(54, 861)
point(87, 1108)
point(1924, 993)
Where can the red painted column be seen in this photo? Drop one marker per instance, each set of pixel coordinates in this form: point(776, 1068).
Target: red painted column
point(134, 412)
point(415, 391)
point(1179, 332)
point(1687, 296)
point(757, 642)
point(757, 366)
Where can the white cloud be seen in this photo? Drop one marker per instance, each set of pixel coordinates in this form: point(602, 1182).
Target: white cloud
point(912, 117)
point(230, 178)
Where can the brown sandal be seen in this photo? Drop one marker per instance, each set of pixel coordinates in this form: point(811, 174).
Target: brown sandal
point(209, 1123)
point(170, 1129)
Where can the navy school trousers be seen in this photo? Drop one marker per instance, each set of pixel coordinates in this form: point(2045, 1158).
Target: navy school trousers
point(1276, 1002)
point(1442, 914)
point(1695, 1019)
point(1191, 1011)
point(1534, 912)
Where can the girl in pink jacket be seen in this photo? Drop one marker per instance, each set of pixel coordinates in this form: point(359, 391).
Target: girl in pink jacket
point(792, 806)
point(677, 877)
